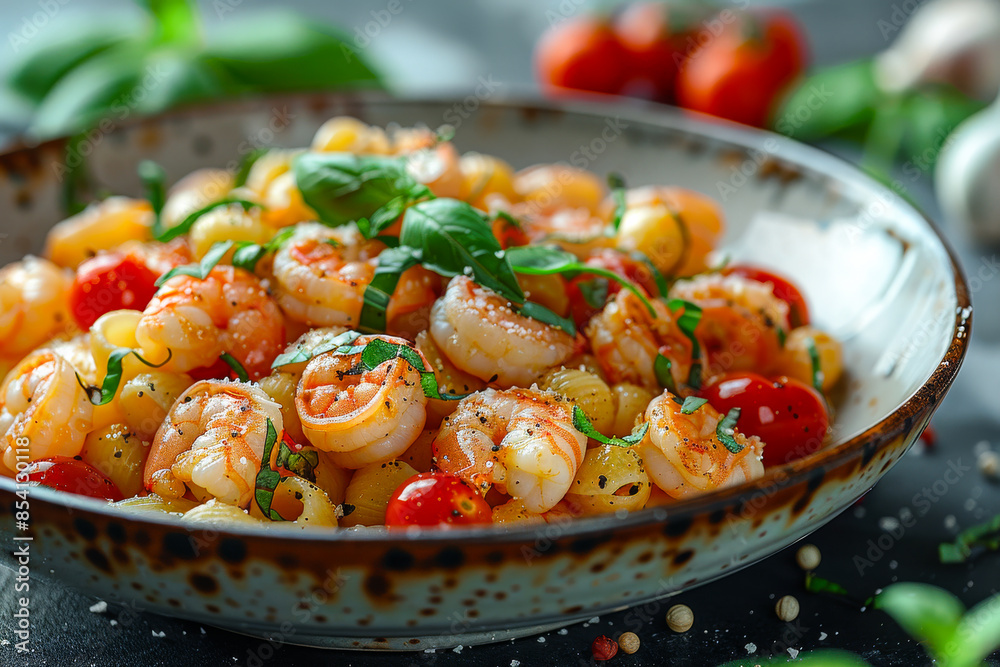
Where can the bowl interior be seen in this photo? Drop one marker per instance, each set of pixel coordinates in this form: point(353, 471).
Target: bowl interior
point(875, 274)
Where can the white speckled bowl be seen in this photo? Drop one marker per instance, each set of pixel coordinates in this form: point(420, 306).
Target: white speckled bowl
point(876, 274)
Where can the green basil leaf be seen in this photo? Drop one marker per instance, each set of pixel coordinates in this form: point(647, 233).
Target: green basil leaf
point(278, 50)
point(930, 115)
point(185, 225)
point(782, 336)
point(826, 658)
point(928, 613)
point(343, 187)
point(378, 351)
point(453, 238)
point(583, 424)
point(687, 323)
point(537, 311)
point(594, 292)
point(542, 260)
point(38, 68)
point(817, 370)
point(392, 262)
point(979, 630)
point(302, 463)
point(661, 283)
point(177, 21)
point(691, 404)
point(617, 185)
point(831, 101)
point(661, 367)
point(113, 375)
point(180, 79)
point(201, 269)
point(237, 367)
point(984, 536)
point(267, 479)
point(246, 164)
point(154, 179)
point(301, 355)
point(725, 429)
point(248, 254)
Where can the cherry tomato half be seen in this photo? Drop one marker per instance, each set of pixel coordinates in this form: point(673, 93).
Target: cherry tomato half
point(110, 281)
point(788, 415)
point(436, 499)
point(73, 476)
point(581, 54)
point(740, 74)
point(784, 289)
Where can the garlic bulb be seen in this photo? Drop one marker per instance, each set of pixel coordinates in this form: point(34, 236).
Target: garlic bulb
point(946, 41)
point(967, 177)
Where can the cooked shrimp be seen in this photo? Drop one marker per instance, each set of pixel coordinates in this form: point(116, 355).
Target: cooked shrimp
point(739, 324)
point(684, 455)
point(361, 416)
point(575, 230)
point(198, 320)
point(212, 440)
point(626, 340)
point(520, 440)
point(321, 274)
point(34, 304)
point(481, 334)
point(438, 168)
point(44, 409)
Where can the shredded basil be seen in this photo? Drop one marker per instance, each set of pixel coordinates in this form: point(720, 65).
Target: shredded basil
point(661, 367)
point(726, 430)
point(617, 185)
point(267, 479)
point(687, 323)
point(187, 223)
point(248, 254)
point(817, 371)
point(113, 375)
point(537, 311)
point(154, 179)
point(691, 404)
point(202, 268)
point(237, 367)
point(583, 424)
point(392, 262)
point(302, 355)
point(594, 291)
point(249, 160)
point(378, 351)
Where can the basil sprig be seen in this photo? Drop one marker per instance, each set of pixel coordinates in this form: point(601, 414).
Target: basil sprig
point(687, 323)
point(154, 179)
point(726, 429)
point(301, 463)
point(372, 190)
point(542, 260)
point(583, 424)
point(113, 375)
point(187, 223)
point(302, 355)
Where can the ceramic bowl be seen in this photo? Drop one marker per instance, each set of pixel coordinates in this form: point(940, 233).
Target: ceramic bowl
point(876, 273)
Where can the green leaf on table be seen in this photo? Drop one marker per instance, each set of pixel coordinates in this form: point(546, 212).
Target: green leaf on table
point(984, 537)
point(930, 116)
point(810, 659)
point(283, 51)
point(928, 613)
point(977, 634)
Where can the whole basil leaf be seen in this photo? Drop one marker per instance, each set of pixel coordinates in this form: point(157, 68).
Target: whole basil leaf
point(830, 101)
point(37, 70)
point(342, 187)
point(454, 239)
point(281, 50)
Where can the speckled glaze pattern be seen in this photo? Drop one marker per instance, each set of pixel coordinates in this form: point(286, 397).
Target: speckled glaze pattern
point(904, 327)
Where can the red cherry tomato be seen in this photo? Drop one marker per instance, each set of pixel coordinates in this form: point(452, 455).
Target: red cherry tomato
point(435, 499)
point(644, 30)
point(581, 54)
point(740, 73)
point(788, 415)
point(110, 281)
point(784, 289)
point(74, 476)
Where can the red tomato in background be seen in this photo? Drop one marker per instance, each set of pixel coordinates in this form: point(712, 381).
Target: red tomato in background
point(73, 476)
point(107, 282)
point(582, 54)
point(644, 30)
point(435, 499)
point(788, 415)
point(740, 73)
point(784, 289)
point(581, 308)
